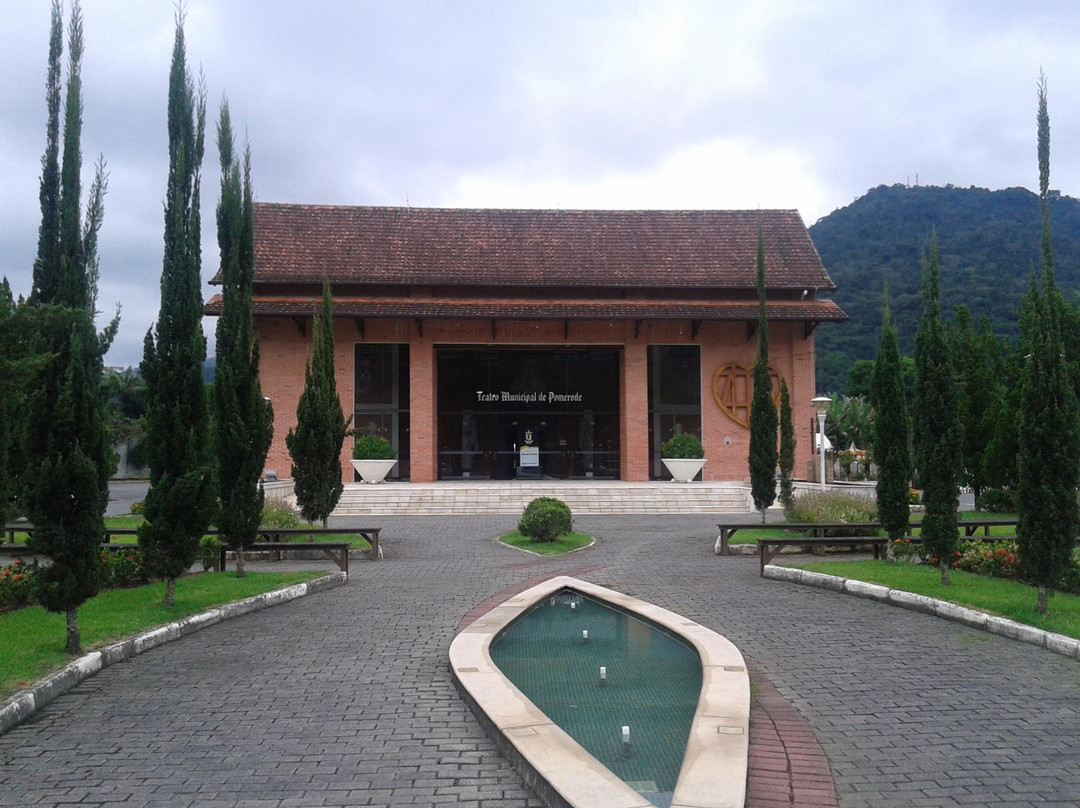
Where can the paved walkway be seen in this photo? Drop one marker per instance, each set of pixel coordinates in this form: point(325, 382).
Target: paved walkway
point(344, 698)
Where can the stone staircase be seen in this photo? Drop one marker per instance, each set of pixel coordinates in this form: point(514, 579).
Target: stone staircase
point(491, 497)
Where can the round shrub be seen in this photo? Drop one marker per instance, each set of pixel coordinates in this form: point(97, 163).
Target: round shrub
point(372, 447)
point(545, 519)
point(683, 446)
point(16, 584)
point(997, 500)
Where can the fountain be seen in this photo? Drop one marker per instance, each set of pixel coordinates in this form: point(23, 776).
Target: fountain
point(570, 735)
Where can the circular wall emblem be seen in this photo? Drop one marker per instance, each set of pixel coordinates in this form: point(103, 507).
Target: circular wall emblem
point(733, 389)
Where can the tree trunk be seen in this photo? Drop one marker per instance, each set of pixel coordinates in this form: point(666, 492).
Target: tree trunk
point(240, 562)
point(170, 591)
point(74, 642)
point(945, 573)
point(325, 520)
point(1041, 605)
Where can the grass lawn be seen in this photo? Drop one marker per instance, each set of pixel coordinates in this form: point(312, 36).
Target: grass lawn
point(564, 544)
point(995, 595)
point(32, 640)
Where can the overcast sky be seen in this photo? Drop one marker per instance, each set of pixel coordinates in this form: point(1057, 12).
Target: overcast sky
point(540, 103)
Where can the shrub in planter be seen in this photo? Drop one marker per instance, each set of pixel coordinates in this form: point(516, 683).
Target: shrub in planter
point(683, 446)
point(210, 551)
point(545, 519)
point(372, 447)
point(834, 506)
point(278, 513)
point(997, 500)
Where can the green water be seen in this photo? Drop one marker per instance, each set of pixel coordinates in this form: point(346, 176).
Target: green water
point(653, 684)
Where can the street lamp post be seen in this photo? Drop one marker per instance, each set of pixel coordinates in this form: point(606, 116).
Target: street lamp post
point(821, 406)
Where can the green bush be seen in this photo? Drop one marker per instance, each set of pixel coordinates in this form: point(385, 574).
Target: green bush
point(210, 551)
point(996, 559)
point(997, 500)
point(683, 446)
point(372, 447)
point(834, 506)
point(278, 513)
point(16, 585)
point(123, 568)
point(545, 519)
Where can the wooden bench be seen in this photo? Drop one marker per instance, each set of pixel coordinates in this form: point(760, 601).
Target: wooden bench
point(817, 529)
point(336, 551)
point(272, 540)
point(769, 548)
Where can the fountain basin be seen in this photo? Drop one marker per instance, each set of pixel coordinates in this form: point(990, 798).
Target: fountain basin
point(558, 768)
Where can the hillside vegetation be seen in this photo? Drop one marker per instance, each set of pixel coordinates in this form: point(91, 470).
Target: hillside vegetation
point(988, 245)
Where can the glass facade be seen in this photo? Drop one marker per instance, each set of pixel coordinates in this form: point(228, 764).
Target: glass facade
point(674, 397)
point(509, 412)
point(381, 396)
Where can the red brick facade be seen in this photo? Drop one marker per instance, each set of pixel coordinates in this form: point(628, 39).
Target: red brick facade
point(613, 307)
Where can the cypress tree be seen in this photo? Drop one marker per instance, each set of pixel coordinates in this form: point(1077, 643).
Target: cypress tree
point(179, 502)
point(763, 420)
point(891, 450)
point(937, 426)
point(321, 427)
point(65, 440)
point(47, 262)
point(787, 448)
point(1049, 433)
point(243, 419)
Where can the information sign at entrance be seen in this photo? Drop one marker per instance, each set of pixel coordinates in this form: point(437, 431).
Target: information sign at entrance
point(530, 456)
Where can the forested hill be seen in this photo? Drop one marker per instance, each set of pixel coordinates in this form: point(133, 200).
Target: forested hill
point(988, 243)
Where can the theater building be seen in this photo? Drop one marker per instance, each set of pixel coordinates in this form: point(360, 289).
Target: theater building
point(509, 344)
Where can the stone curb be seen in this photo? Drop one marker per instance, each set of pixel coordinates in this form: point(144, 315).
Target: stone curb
point(1056, 643)
point(26, 702)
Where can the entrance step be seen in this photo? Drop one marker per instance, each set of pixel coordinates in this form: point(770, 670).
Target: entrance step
point(483, 497)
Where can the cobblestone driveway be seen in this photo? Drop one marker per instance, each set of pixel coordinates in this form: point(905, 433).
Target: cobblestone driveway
point(344, 698)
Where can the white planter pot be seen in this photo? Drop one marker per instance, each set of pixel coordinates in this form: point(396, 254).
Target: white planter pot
point(373, 471)
point(683, 470)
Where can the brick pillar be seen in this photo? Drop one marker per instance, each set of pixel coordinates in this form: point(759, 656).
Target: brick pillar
point(634, 402)
point(423, 407)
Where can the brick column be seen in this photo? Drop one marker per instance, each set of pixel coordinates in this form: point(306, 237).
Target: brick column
point(634, 402)
point(423, 407)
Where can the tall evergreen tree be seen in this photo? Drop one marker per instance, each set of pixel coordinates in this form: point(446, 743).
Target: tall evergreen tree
point(975, 394)
point(937, 426)
point(787, 448)
point(179, 503)
point(891, 451)
point(763, 420)
point(243, 419)
point(321, 427)
point(1049, 428)
point(65, 440)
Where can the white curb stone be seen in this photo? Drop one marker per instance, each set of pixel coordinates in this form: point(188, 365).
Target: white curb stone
point(1056, 643)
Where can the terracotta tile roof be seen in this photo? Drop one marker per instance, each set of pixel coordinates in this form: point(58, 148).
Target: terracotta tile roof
point(576, 248)
point(531, 309)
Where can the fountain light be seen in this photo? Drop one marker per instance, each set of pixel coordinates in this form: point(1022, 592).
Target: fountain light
point(584, 635)
point(603, 675)
point(626, 740)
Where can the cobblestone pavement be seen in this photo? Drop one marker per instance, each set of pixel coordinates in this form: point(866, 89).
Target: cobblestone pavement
point(344, 698)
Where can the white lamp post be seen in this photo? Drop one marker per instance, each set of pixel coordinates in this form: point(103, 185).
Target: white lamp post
point(821, 406)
